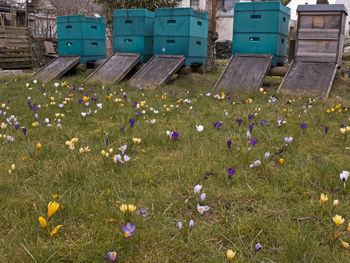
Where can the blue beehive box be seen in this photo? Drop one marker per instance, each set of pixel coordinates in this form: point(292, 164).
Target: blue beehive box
point(261, 28)
point(82, 36)
point(181, 31)
point(133, 32)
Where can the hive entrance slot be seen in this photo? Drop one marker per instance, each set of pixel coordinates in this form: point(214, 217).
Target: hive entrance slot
point(171, 21)
point(93, 27)
point(255, 16)
point(69, 27)
point(128, 21)
point(254, 39)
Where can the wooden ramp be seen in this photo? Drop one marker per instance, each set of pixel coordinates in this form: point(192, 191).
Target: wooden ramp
point(157, 71)
point(309, 78)
point(115, 68)
point(56, 68)
point(244, 72)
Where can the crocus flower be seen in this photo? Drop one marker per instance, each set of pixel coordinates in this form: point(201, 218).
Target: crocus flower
point(131, 208)
point(345, 244)
point(191, 224)
point(230, 254)
point(323, 198)
point(199, 128)
point(175, 135)
point(179, 225)
point(231, 172)
point(52, 208)
point(24, 130)
point(218, 124)
point(251, 127)
point(338, 220)
point(254, 141)
point(248, 134)
point(111, 256)
point(203, 196)
point(344, 176)
point(288, 139)
point(42, 222)
point(201, 209)
point(55, 230)
point(229, 142)
point(142, 212)
point(263, 122)
point(239, 121)
point(267, 155)
point(129, 230)
point(122, 128)
point(197, 189)
point(335, 202)
point(250, 117)
point(258, 247)
point(131, 121)
point(326, 129)
point(123, 208)
point(303, 126)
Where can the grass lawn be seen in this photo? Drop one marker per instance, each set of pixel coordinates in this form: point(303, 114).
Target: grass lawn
point(276, 203)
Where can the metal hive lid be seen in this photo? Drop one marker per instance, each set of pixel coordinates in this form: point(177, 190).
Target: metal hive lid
point(321, 8)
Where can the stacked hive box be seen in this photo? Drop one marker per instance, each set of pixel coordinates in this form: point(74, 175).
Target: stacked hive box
point(82, 36)
point(181, 31)
point(261, 28)
point(133, 32)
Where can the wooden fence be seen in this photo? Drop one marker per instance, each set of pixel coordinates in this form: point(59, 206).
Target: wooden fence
point(15, 47)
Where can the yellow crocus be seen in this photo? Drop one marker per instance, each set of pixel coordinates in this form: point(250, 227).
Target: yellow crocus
point(345, 244)
point(54, 231)
point(281, 160)
point(34, 124)
point(136, 140)
point(123, 208)
point(338, 220)
point(348, 227)
point(131, 208)
point(55, 196)
point(230, 254)
point(38, 146)
point(52, 208)
point(42, 222)
point(324, 198)
point(335, 203)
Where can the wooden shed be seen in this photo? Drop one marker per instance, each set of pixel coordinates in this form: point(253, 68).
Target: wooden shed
point(318, 51)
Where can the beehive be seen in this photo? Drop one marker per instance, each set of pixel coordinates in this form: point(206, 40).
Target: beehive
point(133, 32)
point(82, 36)
point(261, 28)
point(181, 31)
point(320, 33)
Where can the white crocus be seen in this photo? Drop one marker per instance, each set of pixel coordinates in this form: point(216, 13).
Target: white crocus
point(203, 196)
point(200, 128)
point(197, 189)
point(201, 209)
point(344, 176)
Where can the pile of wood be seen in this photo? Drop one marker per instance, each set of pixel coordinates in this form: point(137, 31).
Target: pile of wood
point(15, 48)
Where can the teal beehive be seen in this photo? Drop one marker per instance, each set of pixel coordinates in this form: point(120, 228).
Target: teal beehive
point(181, 31)
point(133, 32)
point(82, 36)
point(261, 28)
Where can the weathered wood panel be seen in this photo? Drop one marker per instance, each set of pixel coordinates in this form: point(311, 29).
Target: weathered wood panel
point(317, 20)
point(244, 72)
point(56, 68)
point(114, 69)
point(15, 48)
point(157, 71)
point(323, 34)
point(307, 78)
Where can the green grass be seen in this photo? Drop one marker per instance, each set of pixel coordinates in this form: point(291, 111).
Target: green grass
point(256, 205)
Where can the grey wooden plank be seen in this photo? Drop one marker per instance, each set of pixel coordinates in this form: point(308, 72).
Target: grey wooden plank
point(56, 68)
point(114, 69)
point(156, 71)
point(244, 72)
point(309, 79)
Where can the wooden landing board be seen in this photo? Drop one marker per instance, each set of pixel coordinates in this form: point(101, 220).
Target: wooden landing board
point(244, 72)
point(56, 68)
point(309, 79)
point(157, 71)
point(114, 69)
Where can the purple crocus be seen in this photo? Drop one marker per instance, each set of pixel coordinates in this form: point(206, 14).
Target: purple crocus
point(231, 172)
point(263, 122)
point(35, 108)
point(122, 128)
point(80, 101)
point(254, 141)
point(258, 247)
point(142, 211)
point(250, 117)
point(229, 96)
point(342, 126)
point(326, 129)
point(175, 135)
point(137, 113)
point(229, 142)
point(111, 256)
point(24, 130)
point(218, 124)
point(239, 121)
point(107, 141)
point(132, 122)
point(129, 230)
point(303, 126)
point(251, 127)
point(134, 104)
